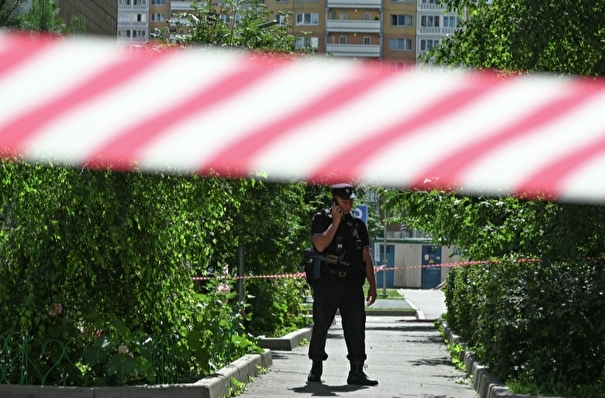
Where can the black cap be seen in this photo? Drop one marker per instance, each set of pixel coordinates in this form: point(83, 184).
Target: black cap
point(343, 190)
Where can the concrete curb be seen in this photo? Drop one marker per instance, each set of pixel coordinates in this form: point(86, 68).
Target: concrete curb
point(486, 385)
point(419, 314)
point(289, 341)
point(220, 384)
point(215, 386)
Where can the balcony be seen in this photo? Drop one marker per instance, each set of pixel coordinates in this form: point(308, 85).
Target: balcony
point(132, 39)
point(431, 7)
point(354, 50)
point(180, 6)
point(435, 31)
point(131, 7)
point(354, 3)
point(132, 24)
point(357, 26)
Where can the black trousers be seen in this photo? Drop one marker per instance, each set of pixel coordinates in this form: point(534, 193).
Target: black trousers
point(331, 293)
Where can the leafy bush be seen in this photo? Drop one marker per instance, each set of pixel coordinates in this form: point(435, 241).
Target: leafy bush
point(533, 321)
point(278, 306)
point(102, 263)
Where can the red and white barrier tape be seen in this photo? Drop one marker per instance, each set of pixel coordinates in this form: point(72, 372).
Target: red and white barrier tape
point(377, 269)
point(274, 276)
point(92, 103)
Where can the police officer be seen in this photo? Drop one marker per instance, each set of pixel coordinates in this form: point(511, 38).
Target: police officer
point(337, 233)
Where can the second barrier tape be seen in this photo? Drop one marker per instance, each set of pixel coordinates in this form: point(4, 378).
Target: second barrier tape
point(377, 269)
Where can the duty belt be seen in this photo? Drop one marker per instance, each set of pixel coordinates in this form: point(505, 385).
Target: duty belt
point(340, 273)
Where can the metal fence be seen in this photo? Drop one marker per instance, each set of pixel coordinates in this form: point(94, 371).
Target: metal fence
point(30, 361)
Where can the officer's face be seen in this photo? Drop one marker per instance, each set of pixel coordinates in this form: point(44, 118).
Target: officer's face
point(345, 204)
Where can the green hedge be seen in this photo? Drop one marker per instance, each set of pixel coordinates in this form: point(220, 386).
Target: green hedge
point(536, 322)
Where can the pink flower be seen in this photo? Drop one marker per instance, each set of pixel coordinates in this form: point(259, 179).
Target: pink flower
point(223, 288)
point(55, 309)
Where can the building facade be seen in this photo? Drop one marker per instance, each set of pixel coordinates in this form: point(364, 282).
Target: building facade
point(100, 15)
point(133, 21)
point(394, 32)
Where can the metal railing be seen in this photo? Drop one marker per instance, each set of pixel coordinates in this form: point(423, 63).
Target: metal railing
point(30, 361)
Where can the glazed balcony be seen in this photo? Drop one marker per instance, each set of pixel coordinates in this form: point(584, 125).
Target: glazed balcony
point(352, 26)
point(354, 3)
point(354, 50)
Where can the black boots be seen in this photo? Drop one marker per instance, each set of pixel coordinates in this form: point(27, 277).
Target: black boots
point(358, 377)
point(316, 371)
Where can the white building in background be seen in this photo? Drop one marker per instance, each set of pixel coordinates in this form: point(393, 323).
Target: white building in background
point(133, 21)
point(433, 23)
point(140, 21)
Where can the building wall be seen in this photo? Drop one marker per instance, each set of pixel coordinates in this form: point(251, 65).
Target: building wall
point(407, 34)
point(408, 259)
point(309, 7)
point(159, 17)
point(101, 15)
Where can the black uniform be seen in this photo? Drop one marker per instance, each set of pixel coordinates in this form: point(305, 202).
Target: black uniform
point(340, 287)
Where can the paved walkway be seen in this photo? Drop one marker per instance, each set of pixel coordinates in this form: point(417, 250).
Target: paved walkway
point(406, 355)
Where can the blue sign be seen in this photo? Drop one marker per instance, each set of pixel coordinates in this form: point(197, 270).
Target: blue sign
point(361, 211)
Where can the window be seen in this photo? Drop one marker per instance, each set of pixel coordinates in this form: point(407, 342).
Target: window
point(430, 1)
point(158, 2)
point(307, 42)
point(429, 21)
point(342, 39)
point(400, 44)
point(281, 19)
point(367, 40)
point(427, 44)
point(367, 16)
point(158, 17)
point(449, 22)
point(401, 20)
point(307, 19)
point(403, 1)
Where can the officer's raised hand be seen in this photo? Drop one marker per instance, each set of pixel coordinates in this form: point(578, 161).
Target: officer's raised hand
point(337, 213)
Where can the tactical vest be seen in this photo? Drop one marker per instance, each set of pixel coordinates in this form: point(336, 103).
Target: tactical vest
point(347, 243)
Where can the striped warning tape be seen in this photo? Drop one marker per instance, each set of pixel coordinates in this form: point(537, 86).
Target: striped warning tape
point(274, 276)
point(377, 269)
point(89, 102)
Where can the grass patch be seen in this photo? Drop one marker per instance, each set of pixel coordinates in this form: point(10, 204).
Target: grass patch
point(392, 294)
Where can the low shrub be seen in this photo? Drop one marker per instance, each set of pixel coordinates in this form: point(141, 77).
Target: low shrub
point(537, 322)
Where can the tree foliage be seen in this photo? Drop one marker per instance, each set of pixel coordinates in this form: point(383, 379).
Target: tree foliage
point(10, 11)
point(40, 16)
point(559, 36)
point(85, 250)
point(513, 312)
point(233, 24)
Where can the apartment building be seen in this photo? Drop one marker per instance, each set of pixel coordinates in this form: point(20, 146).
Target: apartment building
point(100, 15)
point(433, 25)
point(133, 21)
point(395, 32)
point(140, 21)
